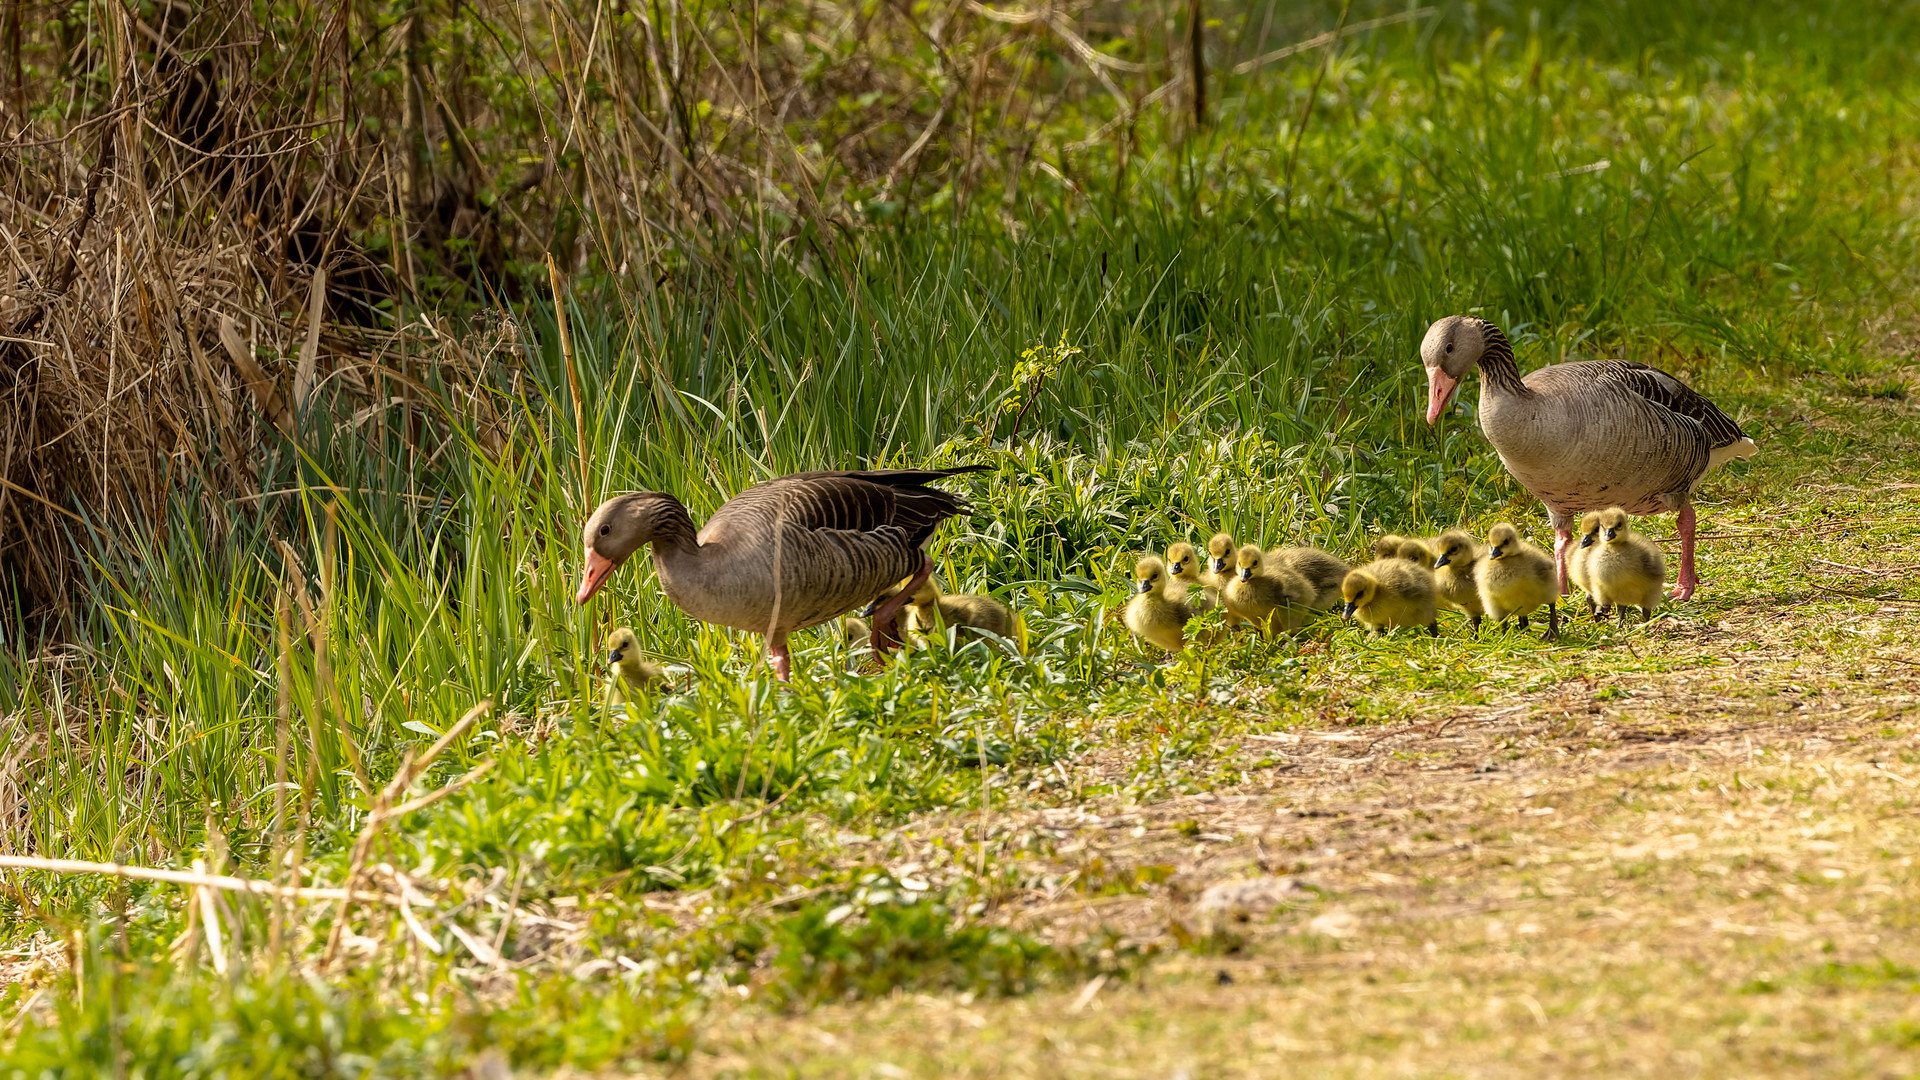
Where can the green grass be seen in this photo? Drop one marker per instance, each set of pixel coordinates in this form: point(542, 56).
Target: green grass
point(1247, 363)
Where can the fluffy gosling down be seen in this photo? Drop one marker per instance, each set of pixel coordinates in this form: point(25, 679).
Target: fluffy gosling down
point(930, 612)
point(1517, 579)
point(1153, 615)
point(1580, 555)
point(1625, 568)
point(1322, 571)
point(1184, 567)
point(1391, 592)
point(636, 674)
point(1456, 580)
point(1268, 593)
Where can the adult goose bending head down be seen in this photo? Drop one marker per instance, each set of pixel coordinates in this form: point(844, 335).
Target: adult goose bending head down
point(1589, 434)
point(782, 555)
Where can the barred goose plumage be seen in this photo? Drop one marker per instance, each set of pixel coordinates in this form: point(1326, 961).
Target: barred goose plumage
point(1587, 435)
point(783, 555)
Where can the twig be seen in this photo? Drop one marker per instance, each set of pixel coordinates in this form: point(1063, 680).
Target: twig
point(573, 376)
point(254, 886)
point(1321, 40)
point(383, 811)
point(1306, 111)
point(1864, 596)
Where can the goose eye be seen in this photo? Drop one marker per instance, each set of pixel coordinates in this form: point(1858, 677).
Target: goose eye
point(605, 529)
point(1449, 348)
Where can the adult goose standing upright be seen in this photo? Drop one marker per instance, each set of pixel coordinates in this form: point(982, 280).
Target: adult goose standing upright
point(785, 554)
point(1589, 434)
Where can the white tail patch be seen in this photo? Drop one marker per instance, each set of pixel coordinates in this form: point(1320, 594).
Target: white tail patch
point(1739, 448)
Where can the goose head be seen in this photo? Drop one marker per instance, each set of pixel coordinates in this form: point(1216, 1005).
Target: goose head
point(1359, 588)
point(621, 526)
point(1183, 563)
point(1247, 562)
point(1150, 575)
point(1220, 553)
point(1502, 540)
point(1589, 528)
point(1451, 349)
point(1454, 545)
point(1614, 525)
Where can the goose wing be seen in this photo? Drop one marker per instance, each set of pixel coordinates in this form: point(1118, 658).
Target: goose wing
point(1663, 391)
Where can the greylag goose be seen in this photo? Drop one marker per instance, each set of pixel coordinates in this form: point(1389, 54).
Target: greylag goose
point(1390, 592)
point(1625, 569)
point(1152, 615)
point(1270, 595)
point(1587, 435)
point(782, 555)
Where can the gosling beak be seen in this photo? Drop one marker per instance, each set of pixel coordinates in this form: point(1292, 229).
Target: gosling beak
point(1587, 540)
point(1246, 573)
point(1142, 586)
point(1611, 533)
point(1443, 560)
point(1441, 387)
point(614, 656)
point(594, 575)
point(1495, 553)
point(1347, 612)
point(875, 606)
point(1219, 566)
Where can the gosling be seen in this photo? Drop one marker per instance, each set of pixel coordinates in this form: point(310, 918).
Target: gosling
point(636, 674)
point(1625, 568)
point(1153, 615)
point(1391, 592)
point(1270, 596)
point(1322, 571)
point(970, 616)
point(1456, 584)
point(1183, 566)
point(1516, 579)
point(1219, 570)
point(1388, 546)
point(1582, 556)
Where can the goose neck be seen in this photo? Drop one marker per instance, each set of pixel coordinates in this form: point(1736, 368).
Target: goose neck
point(1497, 366)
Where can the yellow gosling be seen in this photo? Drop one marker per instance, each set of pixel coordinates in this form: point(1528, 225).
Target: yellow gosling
point(1184, 567)
point(1581, 556)
point(1517, 579)
point(1388, 546)
point(1322, 571)
point(1271, 597)
point(931, 613)
point(1218, 572)
point(1627, 569)
point(636, 674)
point(1152, 615)
point(1456, 585)
point(1389, 593)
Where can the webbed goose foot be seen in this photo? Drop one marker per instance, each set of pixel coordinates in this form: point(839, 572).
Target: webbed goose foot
point(886, 630)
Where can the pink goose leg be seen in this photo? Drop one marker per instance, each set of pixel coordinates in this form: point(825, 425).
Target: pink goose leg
point(1689, 581)
point(885, 635)
point(782, 662)
point(1562, 540)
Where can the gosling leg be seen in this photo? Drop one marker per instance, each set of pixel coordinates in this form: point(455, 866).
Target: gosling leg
point(1553, 622)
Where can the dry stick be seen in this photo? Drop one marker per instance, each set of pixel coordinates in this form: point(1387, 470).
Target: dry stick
point(383, 810)
point(1306, 113)
point(254, 886)
point(573, 377)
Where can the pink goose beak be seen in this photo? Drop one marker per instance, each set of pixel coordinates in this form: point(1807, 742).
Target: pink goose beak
point(597, 570)
point(1440, 390)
